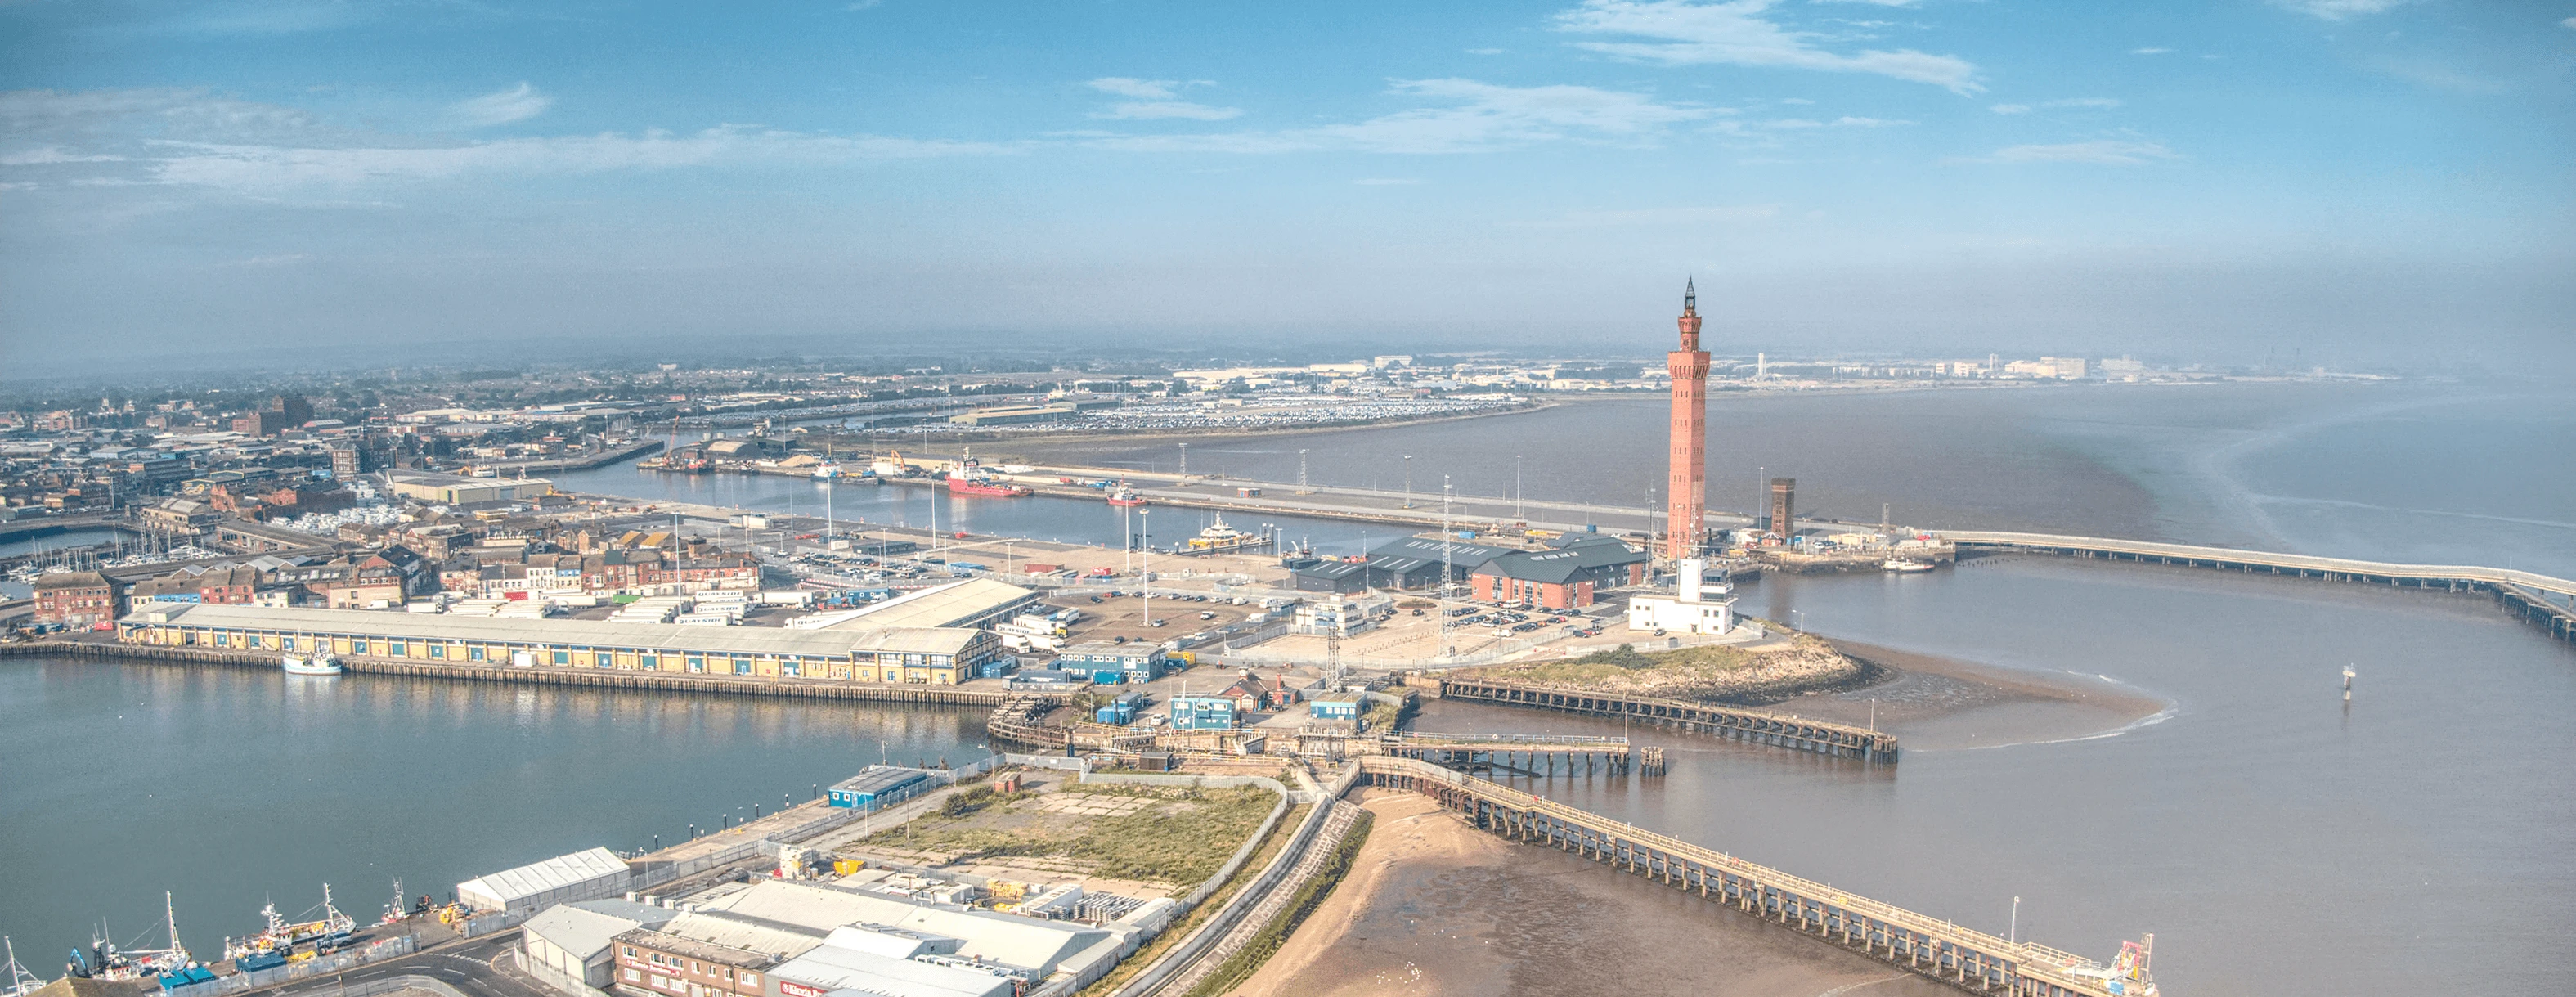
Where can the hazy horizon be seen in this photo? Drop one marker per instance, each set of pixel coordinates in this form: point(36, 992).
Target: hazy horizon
point(2362, 183)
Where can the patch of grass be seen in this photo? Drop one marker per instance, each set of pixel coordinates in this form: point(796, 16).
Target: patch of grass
point(1621, 661)
point(1245, 961)
point(1167, 843)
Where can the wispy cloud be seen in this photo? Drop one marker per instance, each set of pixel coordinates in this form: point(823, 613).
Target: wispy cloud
point(1874, 3)
point(2339, 10)
point(2150, 50)
point(1156, 99)
point(2091, 102)
point(1735, 33)
point(500, 107)
point(1470, 116)
point(1718, 215)
point(2569, 23)
point(1386, 182)
point(52, 154)
point(1848, 121)
point(2436, 76)
point(2104, 151)
point(1487, 51)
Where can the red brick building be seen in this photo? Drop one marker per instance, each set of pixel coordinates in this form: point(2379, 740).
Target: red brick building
point(76, 598)
point(1564, 578)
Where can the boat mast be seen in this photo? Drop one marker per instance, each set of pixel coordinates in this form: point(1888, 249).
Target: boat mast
point(170, 912)
point(21, 982)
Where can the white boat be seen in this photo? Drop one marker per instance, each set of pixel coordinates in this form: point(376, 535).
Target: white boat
point(827, 472)
point(1902, 564)
point(319, 664)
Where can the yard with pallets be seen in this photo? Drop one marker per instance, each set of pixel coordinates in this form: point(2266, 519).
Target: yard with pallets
point(1166, 838)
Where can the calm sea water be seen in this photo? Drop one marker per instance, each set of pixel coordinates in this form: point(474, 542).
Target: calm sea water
point(2274, 842)
point(232, 787)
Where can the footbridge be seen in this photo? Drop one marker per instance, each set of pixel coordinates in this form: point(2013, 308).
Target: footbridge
point(2536, 597)
point(1919, 943)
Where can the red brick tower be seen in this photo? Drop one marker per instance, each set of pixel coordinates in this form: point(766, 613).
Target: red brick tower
point(1689, 473)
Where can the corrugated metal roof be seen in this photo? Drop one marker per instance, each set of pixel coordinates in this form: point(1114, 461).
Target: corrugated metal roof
point(835, 968)
point(938, 606)
point(1026, 943)
point(574, 633)
point(778, 941)
point(513, 885)
point(583, 929)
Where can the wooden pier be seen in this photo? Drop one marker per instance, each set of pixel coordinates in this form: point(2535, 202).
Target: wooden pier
point(1755, 726)
point(1531, 755)
point(1965, 958)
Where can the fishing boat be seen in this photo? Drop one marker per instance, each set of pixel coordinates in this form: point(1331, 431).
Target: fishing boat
point(281, 936)
point(1125, 496)
point(1900, 564)
point(1223, 537)
point(317, 664)
point(2128, 975)
point(826, 472)
point(394, 911)
point(105, 961)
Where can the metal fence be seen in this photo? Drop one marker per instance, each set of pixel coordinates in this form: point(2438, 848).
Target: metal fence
point(335, 962)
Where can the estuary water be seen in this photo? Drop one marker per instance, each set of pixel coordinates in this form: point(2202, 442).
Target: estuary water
point(2275, 843)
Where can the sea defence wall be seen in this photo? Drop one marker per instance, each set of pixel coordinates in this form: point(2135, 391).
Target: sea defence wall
point(1754, 726)
point(1917, 943)
point(2527, 594)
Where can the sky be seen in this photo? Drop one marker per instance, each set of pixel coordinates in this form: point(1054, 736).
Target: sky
point(2350, 182)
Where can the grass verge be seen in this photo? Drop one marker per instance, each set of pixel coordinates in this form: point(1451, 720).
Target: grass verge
point(1137, 961)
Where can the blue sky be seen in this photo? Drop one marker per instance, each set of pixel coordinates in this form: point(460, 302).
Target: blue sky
point(2364, 181)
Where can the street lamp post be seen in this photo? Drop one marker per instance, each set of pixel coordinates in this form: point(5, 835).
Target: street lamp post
point(1408, 481)
point(1145, 560)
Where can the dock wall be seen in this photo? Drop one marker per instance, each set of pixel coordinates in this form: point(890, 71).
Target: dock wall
point(871, 692)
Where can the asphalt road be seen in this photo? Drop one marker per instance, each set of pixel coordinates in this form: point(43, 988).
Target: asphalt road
point(480, 967)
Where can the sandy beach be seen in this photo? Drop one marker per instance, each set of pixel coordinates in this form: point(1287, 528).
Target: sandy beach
point(1435, 907)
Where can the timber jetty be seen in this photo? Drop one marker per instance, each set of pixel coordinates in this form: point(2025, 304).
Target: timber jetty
point(1753, 726)
point(1917, 943)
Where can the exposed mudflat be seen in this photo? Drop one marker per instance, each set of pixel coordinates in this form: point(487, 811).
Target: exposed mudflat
point(1435, 907)
point(1935, 703)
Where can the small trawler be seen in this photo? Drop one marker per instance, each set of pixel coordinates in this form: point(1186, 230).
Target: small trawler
point(274, 944)
point(1125, 496)
point(319, 663)
point(1905, 565)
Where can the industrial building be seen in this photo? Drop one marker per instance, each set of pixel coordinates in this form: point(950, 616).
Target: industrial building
point(975, 602)
point(1204, 713)
point(1105, 662)
point(1339, 577)
point(796, 918)
point(457, 489)
point(1566, 577)
point(576, 939)
point(910, 655)
point(878, 787)
point(1414, 562)
point(591, 874)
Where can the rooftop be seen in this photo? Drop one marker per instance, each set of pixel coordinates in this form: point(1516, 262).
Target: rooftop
point(552, 874)
point(600, 633)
